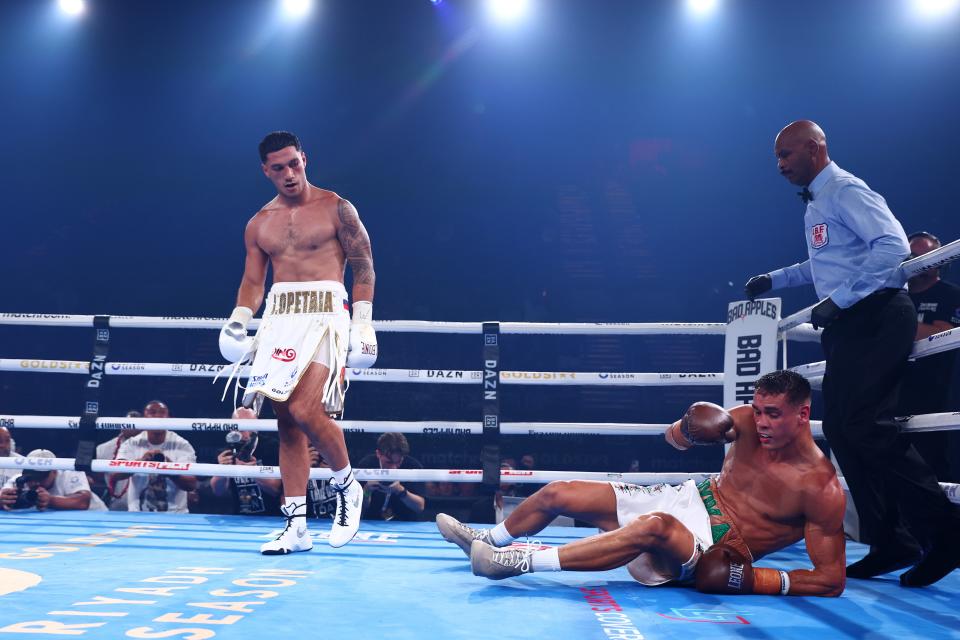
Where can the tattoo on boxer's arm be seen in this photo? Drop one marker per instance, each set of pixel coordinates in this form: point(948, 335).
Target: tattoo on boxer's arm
point(356, 243)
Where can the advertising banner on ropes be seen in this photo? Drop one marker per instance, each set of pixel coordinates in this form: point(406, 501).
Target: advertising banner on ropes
point(750, 349)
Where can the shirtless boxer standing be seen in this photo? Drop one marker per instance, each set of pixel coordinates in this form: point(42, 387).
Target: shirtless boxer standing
point(775, 488)
point(306, 336)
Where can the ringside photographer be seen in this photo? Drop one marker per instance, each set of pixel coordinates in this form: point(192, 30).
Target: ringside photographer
point(250, 496)
point(53, 490)
point(155, 492)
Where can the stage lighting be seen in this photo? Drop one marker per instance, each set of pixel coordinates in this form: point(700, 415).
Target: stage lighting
point(935, 8)
point(297, 8)
point(72, 7)
point(508, 11)
point(702, 7)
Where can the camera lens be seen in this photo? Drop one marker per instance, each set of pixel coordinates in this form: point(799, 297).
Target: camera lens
point(26, 498)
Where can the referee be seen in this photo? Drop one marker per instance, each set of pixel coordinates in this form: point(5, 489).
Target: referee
point(855, 247)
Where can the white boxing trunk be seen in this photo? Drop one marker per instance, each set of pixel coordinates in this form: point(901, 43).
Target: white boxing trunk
point(303, 322)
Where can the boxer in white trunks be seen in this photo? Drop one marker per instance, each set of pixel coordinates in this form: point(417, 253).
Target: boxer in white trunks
point(775, 488)
point(307, 235)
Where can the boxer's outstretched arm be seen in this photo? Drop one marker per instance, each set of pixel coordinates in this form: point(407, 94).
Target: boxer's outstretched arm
point(254, 270)
point(356, 247)
point(826, 544)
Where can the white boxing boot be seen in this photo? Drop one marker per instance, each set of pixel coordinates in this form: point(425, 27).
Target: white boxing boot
point(346, 521)
point(294, 536)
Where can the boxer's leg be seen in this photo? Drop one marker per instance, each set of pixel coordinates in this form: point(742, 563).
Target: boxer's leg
point(294, 457)
point(659, 534)
point(307, 410)
point(593, 502)
point(294, 470)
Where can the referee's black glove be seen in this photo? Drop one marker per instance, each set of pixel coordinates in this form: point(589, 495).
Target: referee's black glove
point(823, 315)
point(757, 285)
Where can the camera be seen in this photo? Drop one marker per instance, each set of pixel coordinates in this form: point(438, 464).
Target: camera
point(242, 451)
point(158, 457)
point(26, 498)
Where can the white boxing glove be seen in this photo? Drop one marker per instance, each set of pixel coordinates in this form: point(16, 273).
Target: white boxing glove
point(363, 339)
point(235, 344)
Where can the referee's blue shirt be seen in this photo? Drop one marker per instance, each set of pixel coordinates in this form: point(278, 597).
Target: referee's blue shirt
point(854, 242)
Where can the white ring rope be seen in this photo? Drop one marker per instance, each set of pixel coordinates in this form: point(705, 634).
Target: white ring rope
point(439, 376)
point(908, 269)
point(403, 475)
point(937, 343)
point(507, 476)
point(386, 326)
point(434, 427)
point(803, 333)
point(913, 424)
point(615, 328)
point(581, 428)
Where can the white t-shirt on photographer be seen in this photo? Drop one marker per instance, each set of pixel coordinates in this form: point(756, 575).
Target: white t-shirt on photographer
point(156, 492)
point(67, 483)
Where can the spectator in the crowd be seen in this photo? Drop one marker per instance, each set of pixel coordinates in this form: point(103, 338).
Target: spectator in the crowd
point(6, 450)
point(467, 489)
point(440, 489)
point(249, 496)
point(321, 497)
point(114, 491)
point(528, 462)
point(60, 490)
point(392, 500)
point(6, 443)
point(926, 387)
point(506, 489)
point(156, 492)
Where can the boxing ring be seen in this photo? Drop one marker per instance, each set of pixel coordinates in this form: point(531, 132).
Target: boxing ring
point(152, 575)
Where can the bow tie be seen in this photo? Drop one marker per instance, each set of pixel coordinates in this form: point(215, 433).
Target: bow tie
point(806, 195)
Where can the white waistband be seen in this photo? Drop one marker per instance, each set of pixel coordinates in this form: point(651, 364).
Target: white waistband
point(316, 285)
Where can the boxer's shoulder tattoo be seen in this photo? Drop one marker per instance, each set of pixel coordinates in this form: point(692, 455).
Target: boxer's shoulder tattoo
point(355, 242)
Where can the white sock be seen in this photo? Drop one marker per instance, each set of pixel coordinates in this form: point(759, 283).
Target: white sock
point(546, 559)
point(342, 476)
point(500, 536)
point(296, 506)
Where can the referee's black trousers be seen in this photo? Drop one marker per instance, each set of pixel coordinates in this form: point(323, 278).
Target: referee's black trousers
point(866, 350)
